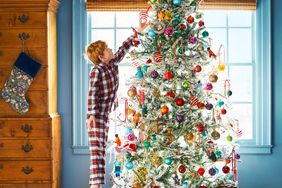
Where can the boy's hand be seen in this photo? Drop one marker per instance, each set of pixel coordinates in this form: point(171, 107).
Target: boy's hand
point(142, 26)
point(91, 122)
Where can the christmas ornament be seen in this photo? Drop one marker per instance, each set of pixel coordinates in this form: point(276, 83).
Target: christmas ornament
point(167, 15)
point(229, 138)
point(149, 61)
point(212, 171)
point(209, 106)
point(193, 3)
point(161, 15)
point(193, 40)
point(155, 159)
point(215, 135)
point(177, 2)
point(225, 169)
point(221, 67)
point(211, 53)
point(181, 169)
point(201, 171)
point(168, 31)
point(146, 144)
point(193, 100)
point(213, 78)
point(142, 172)
point(200, 105)
point(205, 34)
point(170, 94)
point(198, 68)
point(117, 140)
point(164, 110)
point(209, 86)
point(185, 85)
point(201, 23)
point(135, 42)
point(22, 75)
point(168, 160)
point(228, 93)
point(156, 93)
point(220, 103)
point(223, 111)
point(182, 26)
point(129, 165)
point(153, 1)
point(177, 35)
point(139, 73)
point(190, 19)
point(201, 128)
point(179, 102)
point(159, 27)
point(151, 33)
point(154, 74)
point(168, 75)
point(158, 57)
point(145, 68)
point(132, 92)
point(117, 168)
point(179, 118)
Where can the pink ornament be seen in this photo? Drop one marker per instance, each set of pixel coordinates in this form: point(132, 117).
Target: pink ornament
point(193, 40)
point(168, 31)
point(201, 23)
point(209, 86)
point(131, 136)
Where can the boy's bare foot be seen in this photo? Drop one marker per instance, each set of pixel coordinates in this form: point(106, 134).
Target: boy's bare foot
point(95, 186)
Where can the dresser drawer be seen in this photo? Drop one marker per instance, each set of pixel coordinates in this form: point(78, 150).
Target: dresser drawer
point(39, 83)
point(25, 128)
point(23, 19)
point(37, 101)
point(25, 185)
point(25, 170)
point(9, 55)
point(25, 148)
point(34, 37)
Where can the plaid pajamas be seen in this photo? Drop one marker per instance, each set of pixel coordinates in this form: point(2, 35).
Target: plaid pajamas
point(103, 86)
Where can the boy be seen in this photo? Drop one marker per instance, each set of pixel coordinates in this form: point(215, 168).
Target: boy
point(101, 95)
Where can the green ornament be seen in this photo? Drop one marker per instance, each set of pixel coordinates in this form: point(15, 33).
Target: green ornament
point(218, 153)
point(220, 103)
point(144, 110)
point(229, 138)
point(177, 35)
point(153, 1)
point(205, 34)
point(146, 144)
point(168, 161)
point(145, 68)
point(185, 85)
point(181, 50)
point(193, 4)
point(154, 137)
point(203, 133)
point(213, 156)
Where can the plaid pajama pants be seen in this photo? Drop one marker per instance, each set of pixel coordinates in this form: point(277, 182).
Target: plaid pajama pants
point(98, 137)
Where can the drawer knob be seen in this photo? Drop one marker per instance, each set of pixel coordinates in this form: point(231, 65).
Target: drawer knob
point(27, 170)
point(0, 34)
point(23, 18)
point(1, 53)
point(27, 147)
point(1, 166)
point(1, 145)
point(26, 128)
point(23, 36)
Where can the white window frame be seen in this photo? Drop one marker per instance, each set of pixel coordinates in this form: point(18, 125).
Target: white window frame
point(261, 142)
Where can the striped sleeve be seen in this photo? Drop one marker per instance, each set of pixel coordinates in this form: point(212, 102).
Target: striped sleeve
point(123, 49)
point(93, 92)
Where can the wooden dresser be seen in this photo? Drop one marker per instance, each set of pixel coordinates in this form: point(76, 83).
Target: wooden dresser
point(30, 144)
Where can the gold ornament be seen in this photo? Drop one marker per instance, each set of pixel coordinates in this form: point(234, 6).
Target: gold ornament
point(161, 15)
point(156, 160)
point(215, 135)
point(167, 15)
point(142, 172)
point(189, 137)
point(169, 136)
point(213, 78)
point(136, 183)
point(132, 92)
point(156, 93)
point(220, 66)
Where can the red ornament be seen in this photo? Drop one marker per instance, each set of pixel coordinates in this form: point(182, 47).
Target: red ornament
point(158, 57)
point(211, 53)
point(201, 128)
point(183, 26)
point(179, 102)
point(170, 94)
point(190, 19)
point(182, 169)
point(200, 105)
point(155, 186)
point(225, 169)
point(136, 42)
point(164, 110)
point(223, 111)
point(203, 186)
point(193, 100)
point(198, 68)
point(149, 61)
point(168, 75)
point(201, 171)
point(201, 23)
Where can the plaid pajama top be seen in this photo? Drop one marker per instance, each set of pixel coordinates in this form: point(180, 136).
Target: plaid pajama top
point(104, 81)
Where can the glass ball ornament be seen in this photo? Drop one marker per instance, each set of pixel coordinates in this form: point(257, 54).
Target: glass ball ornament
point(151, 33)
point(201, 23)
point(190, 19)
point(168, 75)
point(237, 156)
point(209, 86)
point(229, 138)
point(201, 171)
point(218, 153)
point(179, 102)
point(145, 68)
point(201, 128)
point(177, 35)
point(164, 110)
point(225, 169)
point(146, 144)
point(209, 106)
point(215, 135)
point(181, 169)
point(153, 1)
point(184, 184)
point(220, 103)
point(193, 40)
point(189, 136)
point(193, 3)
point(223, 111)
point(132, 92)
point(228, 93)
point(168, 160)
point(177, 2)
point(221, 67)
point(154, 74)
point(213, 78)
point(212, 171)
point(168, 31)
point(154, 137)
point(198, 68)
point(179, 118)
point(129, 165)
point(205, 34)
point(185, 85)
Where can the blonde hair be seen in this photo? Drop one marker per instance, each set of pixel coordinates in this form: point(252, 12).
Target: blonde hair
point(94, 50)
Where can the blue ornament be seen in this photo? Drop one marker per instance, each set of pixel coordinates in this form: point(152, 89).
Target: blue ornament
point(117, 170)
point(139, 73)
point(154, 137)
point(146, 144)
point(129, 165)
point(144, 109)
point(168, 161)
point(151, 33)
point(177, 2)
point(231, 176)
point(145, 68)
point(220, 103)
point(184, 184)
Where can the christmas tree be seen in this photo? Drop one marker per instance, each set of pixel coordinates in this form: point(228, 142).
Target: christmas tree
point(178, 133)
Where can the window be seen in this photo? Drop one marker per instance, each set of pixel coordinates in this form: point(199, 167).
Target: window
point(245, 36)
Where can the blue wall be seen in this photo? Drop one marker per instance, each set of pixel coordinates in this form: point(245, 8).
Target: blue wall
point(255, 171)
